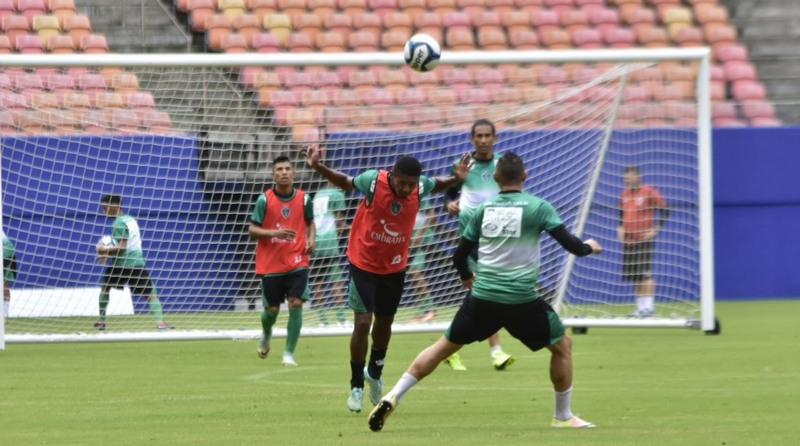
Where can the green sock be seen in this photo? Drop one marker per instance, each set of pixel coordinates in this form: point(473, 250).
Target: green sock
point(341, 315)
point(293, 328)
point(267, 321)
point(156, 310)
point(103, 305)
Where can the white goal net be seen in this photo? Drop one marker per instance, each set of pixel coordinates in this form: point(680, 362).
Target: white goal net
point(187, 142)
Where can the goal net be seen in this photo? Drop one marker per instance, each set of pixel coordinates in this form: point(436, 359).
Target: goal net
point(187, 142)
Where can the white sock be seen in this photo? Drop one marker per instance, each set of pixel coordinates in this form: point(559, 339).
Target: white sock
point(647, 303)
point(404, 384)
point(493, 349)
point(5, 308)
point(563, 404)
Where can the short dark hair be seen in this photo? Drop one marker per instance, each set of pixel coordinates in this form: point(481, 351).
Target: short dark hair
point(510, 168)
point(632, 168)
point(480, 122)
point(406, 165)
point(111, 199)
point(281, 159)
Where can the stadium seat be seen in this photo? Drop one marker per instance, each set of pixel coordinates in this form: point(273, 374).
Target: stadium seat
point(748, 90)
point(710, 15)
point(574, 19)
point(492, 39)
point(109, 100)
point(59, 82)
point(427, 81)
point(353, 7)
point(7, 7)
point(62, 9)
point(29, 44)
point(76, 27)
point(474, 96)
point(676, 19)
point(556, 39)
point(292, 8)
point(382, 7)
point(8, 121)
point(442, 97)
point(217, 26)
point(5, 83)
point(265, 43)
point(471, 7)
point(393, 40)
point(124, 120)
point(330, 42)
point(33, 122)
point(395, 118)
point(545, 21)
point(652, 37)
point(5, 45)
point(368, 22)
point(322, 8)
point(559, 5)
point(234, 43)
point(588, 38)
point(341, 24)
point(363, 41)
point(279, 25)
point(441, 7)
point(458, 77)
point(411, 97)
point(453, 20)
point(94, 44)
point(156, 121)
point(758, 109)
point(42, 100)
point(516, 21)
point(95, 122)
point(308, 23)
point(261, 8)
point(603, 19)
point(412, 7)
point(315, 99)
point(428, 118)
point(689, 36)
point(398, 22)
point(731, 53)
point(740, 71)
point(15, 26)
point(460, 40)
point(619, 38)
point(248, 25)
point(31, 8)
point(378, 97)
point(348, 98)
point(231, 8)
point(553, 76)
point(362, 80)
point(14, 101)
point(641, 17)
point(720, 36)
point(524, 40)
point(141, 100)
point(429, 23)
point(487, 20)
point(326, 80)
point(198, 11)
point(528, 6)
point(61, 44)
point(661, 6)
point(64, 121)
point(590, 6)
point(298, 81)
point(46, 26)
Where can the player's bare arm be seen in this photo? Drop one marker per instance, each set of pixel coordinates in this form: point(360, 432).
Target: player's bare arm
point(311, 236)
point(460, 171)
point(257, 232)
point(338, 179)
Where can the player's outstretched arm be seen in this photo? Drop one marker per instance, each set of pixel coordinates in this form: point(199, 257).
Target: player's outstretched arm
point(460, 171)
point(338, 179)
point(573, 244)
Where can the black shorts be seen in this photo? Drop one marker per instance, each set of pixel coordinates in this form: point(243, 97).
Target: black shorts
point(375, 293)
point(138, 278)
point(534, 323)
point(276, 288)
point(637, 261)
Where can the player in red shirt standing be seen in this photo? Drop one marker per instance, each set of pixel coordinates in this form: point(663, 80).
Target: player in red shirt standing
point(283, 223)
point(378, 253)
point(637, 231)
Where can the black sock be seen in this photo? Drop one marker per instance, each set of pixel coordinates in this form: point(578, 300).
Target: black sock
point(357, 374)
point(375, 367)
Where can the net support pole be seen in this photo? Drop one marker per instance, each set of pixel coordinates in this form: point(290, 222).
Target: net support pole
point(3, 314)
point(705, 190)
point(586, 205)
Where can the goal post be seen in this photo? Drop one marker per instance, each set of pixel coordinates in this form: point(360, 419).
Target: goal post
point(187, 141)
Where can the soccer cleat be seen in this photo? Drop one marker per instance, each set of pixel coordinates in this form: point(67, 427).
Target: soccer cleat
point(501, 360)
point(573, 422)
point(375, 387)
point(454, 361)
point(164, 326)
point(384, 408)
point(263, 347)
point(643, 313)
point(355, 401)
point(100, 325)
point(288, 360)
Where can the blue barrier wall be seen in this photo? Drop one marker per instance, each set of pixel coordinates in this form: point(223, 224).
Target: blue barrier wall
point(757, 203)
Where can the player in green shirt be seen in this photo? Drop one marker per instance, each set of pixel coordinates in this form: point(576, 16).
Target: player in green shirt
point(422, 239)
point(127, 263)
point(477, 188)
point(506, 231)
point(9, 270)
point(326, 270)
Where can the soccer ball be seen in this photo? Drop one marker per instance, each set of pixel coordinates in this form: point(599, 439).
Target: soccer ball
point(107, 241)
point(422, 52)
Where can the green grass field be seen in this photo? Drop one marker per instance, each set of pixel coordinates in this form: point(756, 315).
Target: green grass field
point(640, 386)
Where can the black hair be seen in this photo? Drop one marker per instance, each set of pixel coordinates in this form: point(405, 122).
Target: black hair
point(111, 199)
point(510, 168)
point(632, 168)
point(406, 165)
point(281, 159)
point(480, 122)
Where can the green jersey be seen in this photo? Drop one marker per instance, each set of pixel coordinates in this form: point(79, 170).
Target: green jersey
point(9, 252)
point(126, 228)
point(327, 202)
point(478, 187)
point(507, 229)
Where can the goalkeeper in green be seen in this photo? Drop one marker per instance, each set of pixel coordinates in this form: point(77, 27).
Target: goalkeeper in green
point(506, 230)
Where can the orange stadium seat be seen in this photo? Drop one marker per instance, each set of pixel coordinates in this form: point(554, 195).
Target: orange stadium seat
point(619, 38)
point(330, 42)
point(322, 8)
point(393, 40)
point(528, 6)
point(412, 7)
point(235, 43)
point(604, 18)
point(460, 40)
point(524, 40)
point(339, 23)
point(556, 39)
point(15, 26)
point(457, 20)
point(42, 100)
point(265, 43)
point(411, 97)
point(545, 21)
point(217, 26)
point(689, 36)
point(368, 22)
point(292, 7)
point(261, 8)
point(65, 121)
point(641, 17)
point(95, 122)
point(363, 41)
point(491, 39)
point(267, 81)
point(501, 6)
point(347, 98)
point(8, 121)
point(198, 11)
point(588, 38)
point(398, 22)
point(76, 27)
point(516, 21)
point(362, 80)
point(76, 101)
point(33, 122)
point(427, 81)
point(248, 25)
point(309, 24)
point(662, 6)
point(125, 121)
point(62, 9)
point(61, 44)
point(471, 7)
point(720, 36)
point(442, 97)
point(429, 23)
point(709, 15)
point(298, 42)
point(382, 7)
point(441, 7)
point(395, 118)
point(574, 19)
point(652, 37)
point(5, 45)
point(487, 20)
point(156, 121)
point(379, 97)
point(353, 7)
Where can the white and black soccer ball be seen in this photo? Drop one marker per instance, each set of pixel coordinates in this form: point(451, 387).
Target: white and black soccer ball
point(422, 52)
point(107, 241)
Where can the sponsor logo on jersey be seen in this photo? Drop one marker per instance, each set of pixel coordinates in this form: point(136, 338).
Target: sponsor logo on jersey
point(389, 235)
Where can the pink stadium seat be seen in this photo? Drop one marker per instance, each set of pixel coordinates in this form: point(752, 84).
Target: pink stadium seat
point(298, 42)
point(308, 23)
point(15, 26)
point(261, 8)
point(156, 121)
point(487, 20)
point(7, 7)
point(559, 5)
point(14, 101)
point(652, 37)
point(427, 81)
point(429, 23)
point(394, 41)
point(460, 40)
point(471, 7)
point(588, 38)
point(33, 122)
point(458, 77)
point(198, 11)
point(315, 98)
point(747, 90)
point(362, 80)
point(5, 83)
point(382, 7)
point(95, 122)
point(591, 6)
point(8, 122)
point(61, 44)
point(216, 27)
point(94, 43)
point(604, 18)
point(490, 77)
point(429, 117)
point(738, 71)
point(492, 39)
point(59, 82)
point(76, 27)
point(339, 23)
point(524, 40)
point(516, 21)
point(474, 96)
point(76, 101)
point(368, 22)
point(30, 44)
point(689, 36)
point(395, 118)
point(326, 80)
point(5, 45)
point(545, 21)
point(574, 19)
point(379, 97)
point(29, 81)
point(411, 97)
point(353, 7)
point(732, 53)
point(363, 41)
point(635, 93)
point(248, 25)
point(442, 97)
point(556, 39)
point(348, 98)
point(441, 7)
point(765, 122)
point(330, 42)
point(412, 7)
point(528, 6)
point(457, 20)
point(553, 75)
point(758, 109)
point(141, 100)
point(265, 43)
point(640, 17)
point(125, 121)
point(234, 43)
point(31, 8)
point(298, 80)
